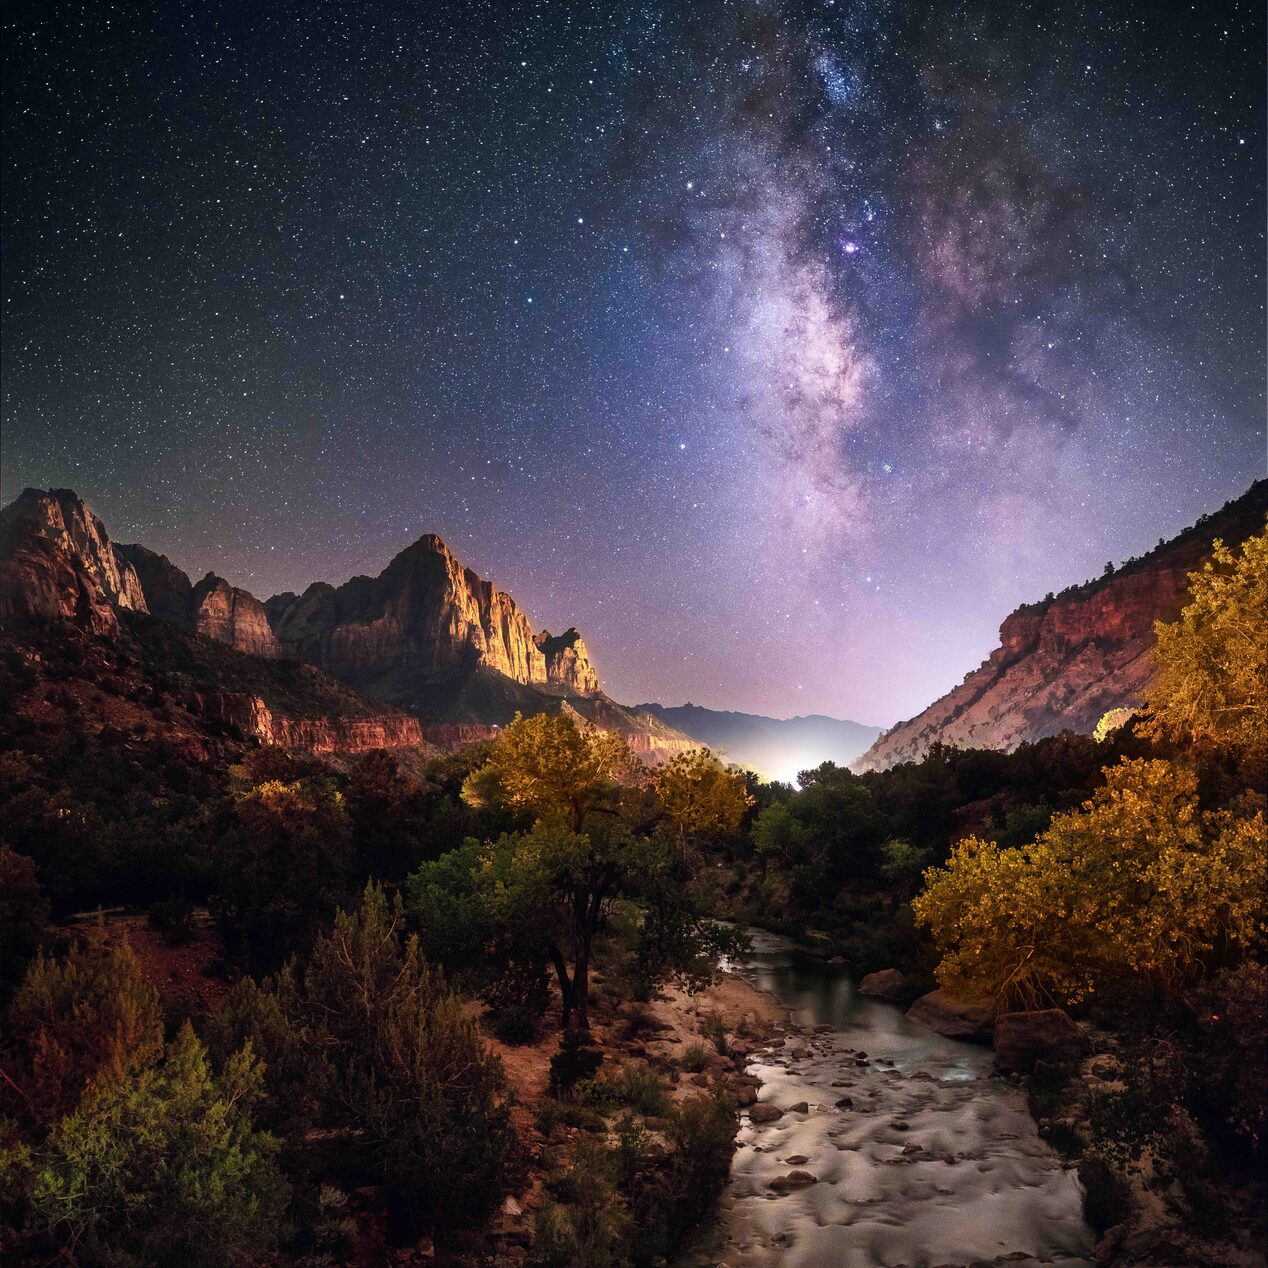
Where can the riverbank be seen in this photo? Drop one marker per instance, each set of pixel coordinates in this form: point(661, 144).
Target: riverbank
point(661, 1062)
point(875, 1141)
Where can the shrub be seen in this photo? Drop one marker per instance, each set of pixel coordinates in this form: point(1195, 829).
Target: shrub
point(578, 1058)
point(516, 1025)
point(23, 916)
point(162, 1165)
point(695, 1058)
point(713, 1028)
point(407, 1066)
point(174, 919)
point(588, 1226)
point(79, 1018)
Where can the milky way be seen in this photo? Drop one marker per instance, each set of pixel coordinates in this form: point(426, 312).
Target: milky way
point(783, 348)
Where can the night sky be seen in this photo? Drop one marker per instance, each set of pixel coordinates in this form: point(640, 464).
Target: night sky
point(783, 348)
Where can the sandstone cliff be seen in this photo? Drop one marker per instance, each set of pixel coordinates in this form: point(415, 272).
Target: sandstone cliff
point(425, 614)
point(166, 587)
point(231, 616)
point(568, 666)
point(57, 563)
point(1064, 662)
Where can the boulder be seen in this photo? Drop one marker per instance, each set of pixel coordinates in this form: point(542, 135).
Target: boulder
point(1023, 1038)
point(793, 1180)
point(956, 1018)
point(764, 1112)
point(888, 984)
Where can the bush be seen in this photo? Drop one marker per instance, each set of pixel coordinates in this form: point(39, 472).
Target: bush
point(1106, 1196)
point(162, 1165)
point(174, 919)
point(516, 1025)
point(578, 1058)
point(408, 1068)
point(695, 1058)
point(23, 916)
point(588, 1226)
point(713, 1029)
point(79, 1018)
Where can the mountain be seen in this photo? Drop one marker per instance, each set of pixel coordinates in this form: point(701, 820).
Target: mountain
point(431, 636)
point(426, 652)
point(1064, 662)
point(776, 747)
point(58, 563)
point(85, 648)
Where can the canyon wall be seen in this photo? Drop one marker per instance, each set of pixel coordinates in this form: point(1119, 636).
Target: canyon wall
point(1063, 663)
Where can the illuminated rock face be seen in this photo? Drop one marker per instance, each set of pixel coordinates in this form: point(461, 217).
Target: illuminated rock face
point(232, 616)
point(425, 614)
point(57, 563)
point(427, 637)
point(1063, 663)
point(568, 667)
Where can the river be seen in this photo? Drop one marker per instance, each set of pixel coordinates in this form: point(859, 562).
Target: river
point(934, 1163)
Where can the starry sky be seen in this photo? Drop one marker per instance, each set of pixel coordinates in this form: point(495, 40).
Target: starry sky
point(782, 347)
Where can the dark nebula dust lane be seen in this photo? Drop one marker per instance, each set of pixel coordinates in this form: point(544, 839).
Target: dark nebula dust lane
point(808, 337)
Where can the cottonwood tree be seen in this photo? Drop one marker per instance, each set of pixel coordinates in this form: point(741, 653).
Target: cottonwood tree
point(1212, 663)
point(550, 888)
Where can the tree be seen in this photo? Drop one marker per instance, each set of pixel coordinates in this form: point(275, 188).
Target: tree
point(23, 917)
point(386, 811)
point(550, 888)
point(1212, 663)
point(284, 866)
point(407, 1068)
point(1139, 883)
point(699, 796)
point(161, 1165)
point(552, 768)
point(78, 1019)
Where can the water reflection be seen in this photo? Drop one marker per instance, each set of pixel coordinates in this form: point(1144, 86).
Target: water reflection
point(919, 1157)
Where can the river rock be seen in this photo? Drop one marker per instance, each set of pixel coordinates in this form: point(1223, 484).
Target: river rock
point(1023, 1038)
point(764, 1112)
point(888, 984)
point(956, 1018)
point(802, 1107)
point(793, 1180)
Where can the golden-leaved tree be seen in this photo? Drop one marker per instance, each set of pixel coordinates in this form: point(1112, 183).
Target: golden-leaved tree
point(1212, 663)
point(1139, 882)
point(1142, 882)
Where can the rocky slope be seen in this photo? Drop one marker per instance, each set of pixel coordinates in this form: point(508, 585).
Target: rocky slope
point(776, 747)
point(198, 672)
point(1066, 661)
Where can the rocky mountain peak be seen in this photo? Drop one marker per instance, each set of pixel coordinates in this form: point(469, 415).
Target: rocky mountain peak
point(233, 616)
point(57, 562)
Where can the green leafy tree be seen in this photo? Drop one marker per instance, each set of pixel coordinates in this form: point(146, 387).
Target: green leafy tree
point(1212, 663)
point(161, 1165)
point(553, 769)
point(700, 797)
point(551, 888)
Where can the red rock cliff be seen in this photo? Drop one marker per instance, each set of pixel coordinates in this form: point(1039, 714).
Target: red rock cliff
point(424, 615)
point(568, 667)
point(1064, 663)
point(57, 563)
point(232, 616)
